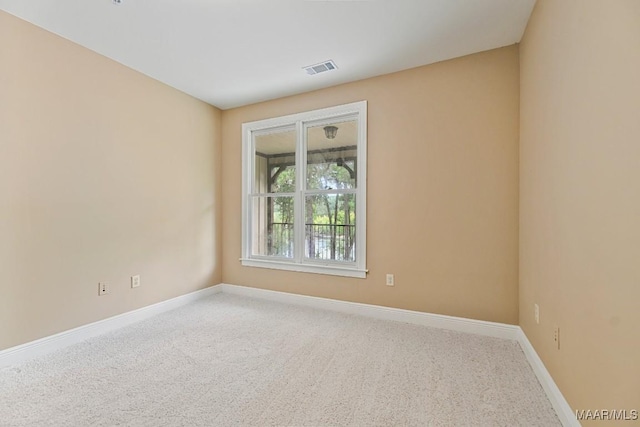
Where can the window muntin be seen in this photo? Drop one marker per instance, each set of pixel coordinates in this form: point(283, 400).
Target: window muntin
point(304, 187)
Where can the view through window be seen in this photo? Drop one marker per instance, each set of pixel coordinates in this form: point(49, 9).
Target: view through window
point(304, 191)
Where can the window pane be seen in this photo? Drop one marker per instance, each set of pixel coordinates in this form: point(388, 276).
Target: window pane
point(332, 156)
point(272, 226)
point(330, 227)
point(275, 159)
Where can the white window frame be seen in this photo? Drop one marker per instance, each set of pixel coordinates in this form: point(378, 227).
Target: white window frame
point(301, 121)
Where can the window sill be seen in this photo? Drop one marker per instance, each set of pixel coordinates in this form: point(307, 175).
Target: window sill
point(331, 270)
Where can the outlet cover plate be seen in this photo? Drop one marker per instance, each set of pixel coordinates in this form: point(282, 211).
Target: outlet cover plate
point(135, 281)
point(103, 288)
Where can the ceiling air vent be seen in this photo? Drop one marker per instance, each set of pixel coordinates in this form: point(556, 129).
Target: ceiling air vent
point(320, 68)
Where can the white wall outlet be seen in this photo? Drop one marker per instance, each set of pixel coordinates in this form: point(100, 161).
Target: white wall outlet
point(390, 280)
point(536, 313)
point(135, 281)
point(556, 336)
point(103, 288)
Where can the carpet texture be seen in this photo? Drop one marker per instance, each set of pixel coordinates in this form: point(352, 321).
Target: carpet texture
point(233, 361)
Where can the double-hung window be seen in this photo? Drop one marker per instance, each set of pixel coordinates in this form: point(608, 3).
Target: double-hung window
point(304, 191)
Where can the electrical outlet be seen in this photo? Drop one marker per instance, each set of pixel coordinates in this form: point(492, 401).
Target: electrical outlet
point(103, 288)
point(556, 336)
point(135, 281)
point(536, 313)
point(390, 280)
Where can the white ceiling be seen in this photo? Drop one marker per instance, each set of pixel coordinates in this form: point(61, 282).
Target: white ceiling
point(236, 52)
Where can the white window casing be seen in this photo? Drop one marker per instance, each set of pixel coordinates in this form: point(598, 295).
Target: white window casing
point(253, 193)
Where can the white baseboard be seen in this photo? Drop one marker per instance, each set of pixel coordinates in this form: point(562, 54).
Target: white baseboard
point(45, 345)
point(478, 327)
point(563, 410)
point(48, 344)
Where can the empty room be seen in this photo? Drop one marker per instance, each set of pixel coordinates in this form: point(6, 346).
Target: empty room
point(320, 213)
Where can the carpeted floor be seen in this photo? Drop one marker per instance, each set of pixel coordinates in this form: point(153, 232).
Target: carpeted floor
point(234, 361)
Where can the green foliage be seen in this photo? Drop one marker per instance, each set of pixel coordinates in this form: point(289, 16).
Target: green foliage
point(323, 209)
point(330, 176)
point(286, 180)
point(283, 206)
point(320, 209)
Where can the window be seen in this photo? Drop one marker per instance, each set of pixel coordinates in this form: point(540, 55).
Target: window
point(304, 191)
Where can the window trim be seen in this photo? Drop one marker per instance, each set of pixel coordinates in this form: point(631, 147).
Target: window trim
point(300, 121)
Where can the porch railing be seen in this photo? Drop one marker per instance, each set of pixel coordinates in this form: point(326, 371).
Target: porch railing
point(322, 241)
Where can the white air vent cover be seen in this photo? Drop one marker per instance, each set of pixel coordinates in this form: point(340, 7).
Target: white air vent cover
point(320, 68)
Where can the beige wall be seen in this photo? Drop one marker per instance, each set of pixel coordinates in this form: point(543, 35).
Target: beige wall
point(443, 189)
point(104, 173)
point(580, 197)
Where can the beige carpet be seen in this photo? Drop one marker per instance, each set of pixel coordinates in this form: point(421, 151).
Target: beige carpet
point(234, 361)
